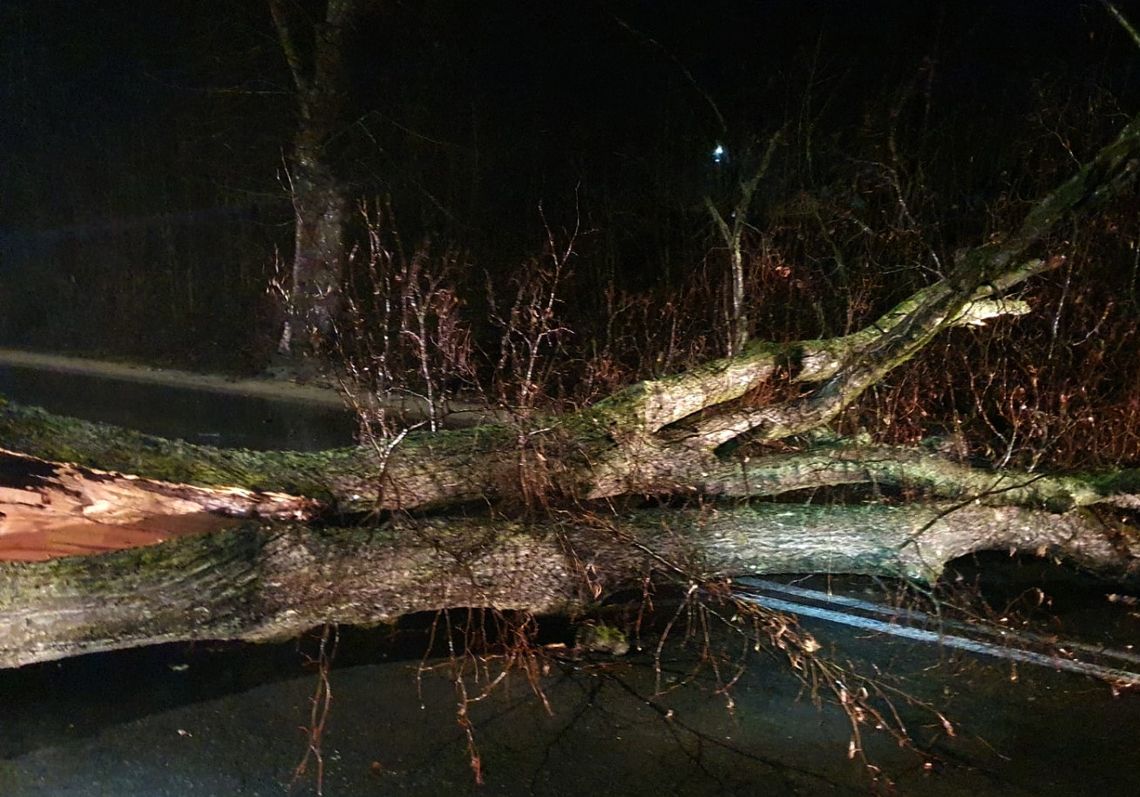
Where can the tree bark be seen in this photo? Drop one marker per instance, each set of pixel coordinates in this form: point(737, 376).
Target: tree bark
point(271, 581)
point(663, 437)
point(317, 58)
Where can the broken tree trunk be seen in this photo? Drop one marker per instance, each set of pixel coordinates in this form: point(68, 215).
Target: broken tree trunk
point(50, 509)
point(265, 579)
point(271, 580)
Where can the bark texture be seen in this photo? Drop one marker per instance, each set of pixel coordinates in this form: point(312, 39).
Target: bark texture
point(317, 56)
point(272, 581)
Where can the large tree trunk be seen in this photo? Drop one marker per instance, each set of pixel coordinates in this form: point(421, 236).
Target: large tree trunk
point(266, 580)
point(657, 438)
point(316, 54)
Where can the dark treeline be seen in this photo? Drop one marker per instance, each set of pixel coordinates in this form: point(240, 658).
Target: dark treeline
point(144, 194)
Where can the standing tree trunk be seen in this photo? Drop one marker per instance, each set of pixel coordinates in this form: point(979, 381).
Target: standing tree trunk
point(317, 57)
point(732, 235)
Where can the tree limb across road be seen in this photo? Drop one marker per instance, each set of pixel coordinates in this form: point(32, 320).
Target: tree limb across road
point(451, 518)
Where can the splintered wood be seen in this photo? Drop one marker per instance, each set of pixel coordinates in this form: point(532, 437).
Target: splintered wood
point(52, 509)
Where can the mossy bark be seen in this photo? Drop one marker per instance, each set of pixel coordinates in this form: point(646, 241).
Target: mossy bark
point(269, 581)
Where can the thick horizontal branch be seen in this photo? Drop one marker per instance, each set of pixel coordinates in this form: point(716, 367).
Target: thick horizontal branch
point(484, 463)
point(424, 470)
point(262, 582)
point(920, 470)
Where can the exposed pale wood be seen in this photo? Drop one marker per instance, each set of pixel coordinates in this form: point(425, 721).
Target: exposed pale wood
point(52, 509)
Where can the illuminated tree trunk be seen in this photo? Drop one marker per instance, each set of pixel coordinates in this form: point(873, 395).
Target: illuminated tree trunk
point(262, 580)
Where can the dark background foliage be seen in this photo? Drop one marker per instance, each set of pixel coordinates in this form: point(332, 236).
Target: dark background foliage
point(143, 194)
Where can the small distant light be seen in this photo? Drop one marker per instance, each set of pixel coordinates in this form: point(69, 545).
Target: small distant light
point(718, 154)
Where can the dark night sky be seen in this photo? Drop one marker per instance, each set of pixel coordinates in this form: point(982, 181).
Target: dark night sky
point(549, 88)
point(123, 116)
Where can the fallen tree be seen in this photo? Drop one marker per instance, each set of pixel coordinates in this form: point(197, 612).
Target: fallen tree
point(542, 514)
point(261, 581)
